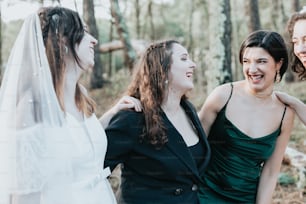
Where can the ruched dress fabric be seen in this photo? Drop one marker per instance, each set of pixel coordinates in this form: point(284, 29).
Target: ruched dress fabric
point(236, 163)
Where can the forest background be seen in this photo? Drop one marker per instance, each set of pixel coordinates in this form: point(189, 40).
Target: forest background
point(211, 30)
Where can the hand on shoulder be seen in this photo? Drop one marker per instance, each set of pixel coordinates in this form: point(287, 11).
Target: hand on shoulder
point(286, 98)
point(128, 102)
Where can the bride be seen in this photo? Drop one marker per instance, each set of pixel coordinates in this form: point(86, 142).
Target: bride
point(52, 146)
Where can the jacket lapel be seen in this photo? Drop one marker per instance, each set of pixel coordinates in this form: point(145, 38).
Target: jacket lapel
point(179, 148)
point(176, 142)
point(193, 115)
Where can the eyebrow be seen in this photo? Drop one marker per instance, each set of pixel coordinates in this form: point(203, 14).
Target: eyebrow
point(260, 58)
point(294, 37)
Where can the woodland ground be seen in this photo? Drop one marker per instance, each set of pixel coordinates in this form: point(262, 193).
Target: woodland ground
point(284, 194)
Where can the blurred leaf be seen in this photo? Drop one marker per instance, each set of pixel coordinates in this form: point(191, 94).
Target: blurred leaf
point(286, 179)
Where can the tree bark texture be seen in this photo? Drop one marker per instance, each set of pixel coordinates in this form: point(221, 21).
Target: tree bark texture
point(129, 53)
point(96, 79)
point(219, 57)
point(251, 9)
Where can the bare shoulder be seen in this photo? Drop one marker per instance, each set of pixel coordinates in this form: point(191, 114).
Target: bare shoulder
point(222, 92)
point(218, 97)
point(290, 112)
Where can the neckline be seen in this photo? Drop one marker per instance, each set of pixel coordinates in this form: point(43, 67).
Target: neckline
point(174, 128)
point(240, 131)
point(244, 134)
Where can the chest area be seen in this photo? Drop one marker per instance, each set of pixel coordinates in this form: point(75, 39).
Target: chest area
point(88, 139)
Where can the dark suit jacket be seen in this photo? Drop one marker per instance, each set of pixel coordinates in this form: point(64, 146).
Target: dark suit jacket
point(161, 176)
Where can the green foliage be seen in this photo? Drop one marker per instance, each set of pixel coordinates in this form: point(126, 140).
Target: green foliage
point(114, 89)
point(169, 30)
point(104, 30)
point(287, 179)
point(9, 34)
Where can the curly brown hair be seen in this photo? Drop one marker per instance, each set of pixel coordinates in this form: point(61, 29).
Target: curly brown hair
point(149, 85)
point(296, 65)
point(62, 27)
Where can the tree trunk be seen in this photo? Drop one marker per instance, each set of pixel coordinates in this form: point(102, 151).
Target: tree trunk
point(96, 80)
point(190, 36)
point(219, 57)
point(251, 10)
point(150, 13)
point(275, 18)
point(110, 54)
point(129, 53)
point(227, 42)
point(295, 5)
point(236, 42)
point(137, 7)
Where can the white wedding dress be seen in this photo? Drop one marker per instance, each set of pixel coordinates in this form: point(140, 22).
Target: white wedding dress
point(64, 167)
point(46, 156)
point(84, 180)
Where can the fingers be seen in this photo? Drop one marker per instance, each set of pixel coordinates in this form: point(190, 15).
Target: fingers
point(131, 102)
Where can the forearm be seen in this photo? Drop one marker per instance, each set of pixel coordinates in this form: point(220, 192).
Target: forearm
point(300, 109)
point(266, 188)
point(126, 102)
point(107, 116)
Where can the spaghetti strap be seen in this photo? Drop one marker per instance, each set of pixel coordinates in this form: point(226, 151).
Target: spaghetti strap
point(283, 116)
point(232, 87)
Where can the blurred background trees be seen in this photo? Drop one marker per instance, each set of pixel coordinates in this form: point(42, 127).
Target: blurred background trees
point(211, 30)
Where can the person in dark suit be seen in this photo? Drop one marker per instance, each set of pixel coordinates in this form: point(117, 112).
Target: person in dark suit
point(163, 148)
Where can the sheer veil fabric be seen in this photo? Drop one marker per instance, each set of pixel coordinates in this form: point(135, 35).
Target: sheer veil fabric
point(30, 117)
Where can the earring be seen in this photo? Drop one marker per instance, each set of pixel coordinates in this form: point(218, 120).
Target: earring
point(166, 82)
point(66, 49)
point(278, 77)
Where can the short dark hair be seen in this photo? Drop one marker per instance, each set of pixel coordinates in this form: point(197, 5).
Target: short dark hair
point(270, 41)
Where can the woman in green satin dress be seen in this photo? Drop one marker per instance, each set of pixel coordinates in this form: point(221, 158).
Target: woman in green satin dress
point(247, 126)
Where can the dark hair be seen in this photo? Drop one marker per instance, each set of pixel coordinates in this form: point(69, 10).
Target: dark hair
point(270, 41)
point(296, 65)
point(62, 27)
point(149, 85)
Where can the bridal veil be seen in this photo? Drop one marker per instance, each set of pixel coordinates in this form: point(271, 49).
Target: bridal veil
point(30, 116)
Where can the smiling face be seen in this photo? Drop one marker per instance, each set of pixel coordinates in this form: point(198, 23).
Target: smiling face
point(85, 51)
point(259, 68)
point(181, 70)
point(299, 40)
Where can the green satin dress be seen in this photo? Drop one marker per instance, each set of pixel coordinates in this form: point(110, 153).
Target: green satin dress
point(236, 162)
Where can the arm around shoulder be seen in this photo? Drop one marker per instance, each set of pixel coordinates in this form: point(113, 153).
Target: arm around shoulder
point(126, 102)
point(123, 134)
point(295, 103)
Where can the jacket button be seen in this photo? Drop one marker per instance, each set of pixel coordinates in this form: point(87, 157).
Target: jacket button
point(178, 191)
point(194, 187)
